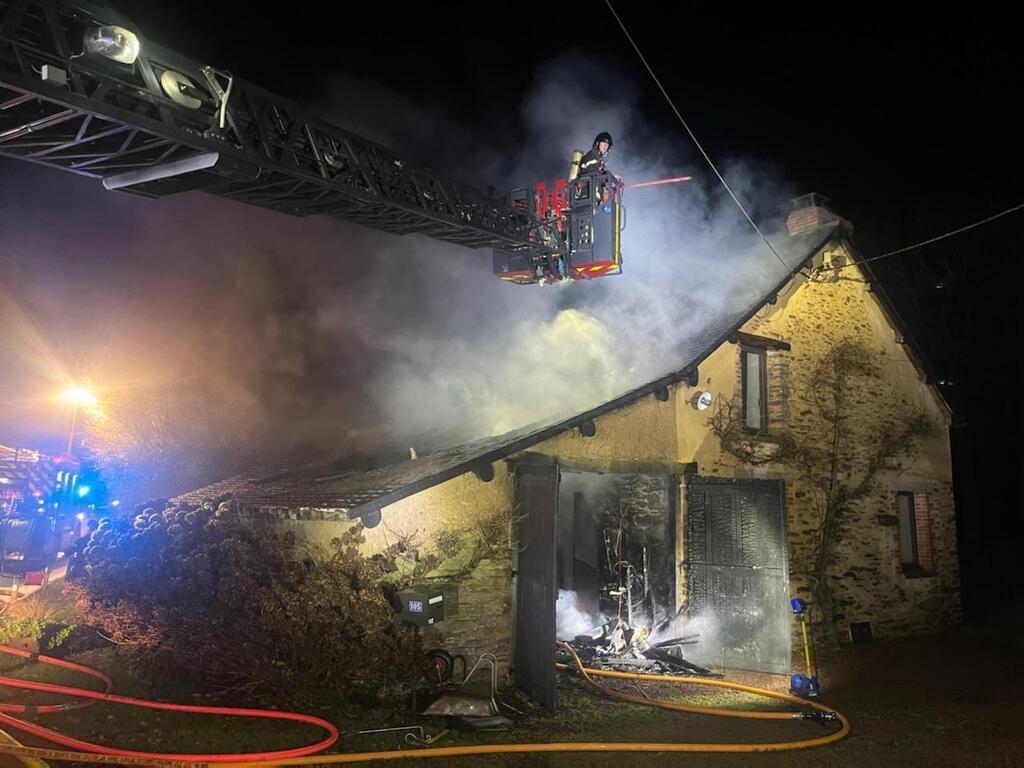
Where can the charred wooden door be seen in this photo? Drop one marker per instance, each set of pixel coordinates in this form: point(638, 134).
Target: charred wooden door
point(534, 659)
point(737, 573)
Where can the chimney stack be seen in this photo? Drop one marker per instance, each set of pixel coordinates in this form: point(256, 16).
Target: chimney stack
point(810, 213)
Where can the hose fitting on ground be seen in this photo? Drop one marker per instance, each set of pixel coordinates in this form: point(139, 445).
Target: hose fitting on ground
point(820, 716)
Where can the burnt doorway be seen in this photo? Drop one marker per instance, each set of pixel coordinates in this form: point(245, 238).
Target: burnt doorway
point(536, 504)
point(594, 548)
point(615, 551)
point(737, 573)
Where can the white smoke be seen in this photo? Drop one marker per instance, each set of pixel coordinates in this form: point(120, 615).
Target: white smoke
point(264, 336)
point(493, 357)
point(570, 621)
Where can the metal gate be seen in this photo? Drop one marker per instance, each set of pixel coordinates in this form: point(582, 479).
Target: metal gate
point(736, 560)
point(536, 501)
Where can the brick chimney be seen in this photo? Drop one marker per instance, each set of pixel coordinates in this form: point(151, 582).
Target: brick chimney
point(811, 212)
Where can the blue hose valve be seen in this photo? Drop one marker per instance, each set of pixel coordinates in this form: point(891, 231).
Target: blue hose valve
point(800, 684)
point(805, 686)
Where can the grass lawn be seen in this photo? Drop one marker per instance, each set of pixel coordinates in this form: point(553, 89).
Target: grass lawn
point(948, 700)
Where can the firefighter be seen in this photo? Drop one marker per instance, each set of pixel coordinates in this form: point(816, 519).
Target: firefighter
point(593, 162)
point(76, 563)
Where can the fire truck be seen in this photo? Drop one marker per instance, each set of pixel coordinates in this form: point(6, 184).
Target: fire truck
point(83, 90)
point(41, 498)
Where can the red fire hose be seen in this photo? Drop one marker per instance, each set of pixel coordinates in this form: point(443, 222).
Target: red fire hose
point(305, 755)
point(84, 698)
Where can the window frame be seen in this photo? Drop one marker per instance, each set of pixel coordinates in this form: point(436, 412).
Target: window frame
point(762, 355)
point(915, 563)
point(914, 570)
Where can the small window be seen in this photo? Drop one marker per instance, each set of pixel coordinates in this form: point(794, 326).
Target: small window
point(908, 529)
point(754, 367)
point(915, 525)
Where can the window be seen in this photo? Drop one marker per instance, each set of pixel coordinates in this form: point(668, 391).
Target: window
point(915, 533)
point(908, 528)
point(753, 363)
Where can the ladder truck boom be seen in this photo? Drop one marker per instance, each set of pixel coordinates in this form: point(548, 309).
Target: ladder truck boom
point(163, 123)
point(82, 90)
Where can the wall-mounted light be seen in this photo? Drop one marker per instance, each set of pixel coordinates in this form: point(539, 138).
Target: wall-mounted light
point(702, 401)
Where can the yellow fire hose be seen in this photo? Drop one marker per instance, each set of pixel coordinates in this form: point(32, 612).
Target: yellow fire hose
point(566, 746)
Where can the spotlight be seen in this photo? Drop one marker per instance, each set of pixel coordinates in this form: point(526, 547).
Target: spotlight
point(180, 89)
point(83, 491)
point(113, 42)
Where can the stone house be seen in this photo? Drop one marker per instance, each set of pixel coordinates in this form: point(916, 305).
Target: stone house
point(522, 529)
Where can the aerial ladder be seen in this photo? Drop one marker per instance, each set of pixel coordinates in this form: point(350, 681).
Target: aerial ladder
point(83, 90)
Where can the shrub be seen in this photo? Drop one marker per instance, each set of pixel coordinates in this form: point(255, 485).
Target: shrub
point(45, 616)
point(193, 591)
point(49, 635)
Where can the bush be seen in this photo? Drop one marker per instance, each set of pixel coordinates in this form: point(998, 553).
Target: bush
point(45, 616)
point(20, 629)
point(192, 591)
point(50, 636)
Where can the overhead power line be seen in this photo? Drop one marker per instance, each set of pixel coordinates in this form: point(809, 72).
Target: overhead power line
point(692, 135)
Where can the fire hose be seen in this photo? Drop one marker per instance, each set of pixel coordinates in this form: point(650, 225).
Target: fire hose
point(86, 697)
point(96, 753)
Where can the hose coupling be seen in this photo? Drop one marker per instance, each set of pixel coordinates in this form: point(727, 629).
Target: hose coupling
point(823, 717)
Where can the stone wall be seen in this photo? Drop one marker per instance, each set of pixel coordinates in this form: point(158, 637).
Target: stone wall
point(466, 515)
point(814, 317)
point(482, 623)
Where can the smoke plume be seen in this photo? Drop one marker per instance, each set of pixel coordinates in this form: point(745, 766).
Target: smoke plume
point(223, 336)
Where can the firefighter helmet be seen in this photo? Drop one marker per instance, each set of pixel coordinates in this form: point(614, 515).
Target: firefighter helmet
point(603, 136)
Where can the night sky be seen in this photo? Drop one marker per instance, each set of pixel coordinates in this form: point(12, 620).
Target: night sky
point(906, 126)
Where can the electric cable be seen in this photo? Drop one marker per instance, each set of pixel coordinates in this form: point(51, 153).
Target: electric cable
point(693, 136)
point(930, 240)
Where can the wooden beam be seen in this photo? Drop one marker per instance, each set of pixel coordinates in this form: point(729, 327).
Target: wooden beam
point(753, 340)
point(604, 466)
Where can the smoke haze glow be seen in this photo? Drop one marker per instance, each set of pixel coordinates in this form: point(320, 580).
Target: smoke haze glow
point(221, 336)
